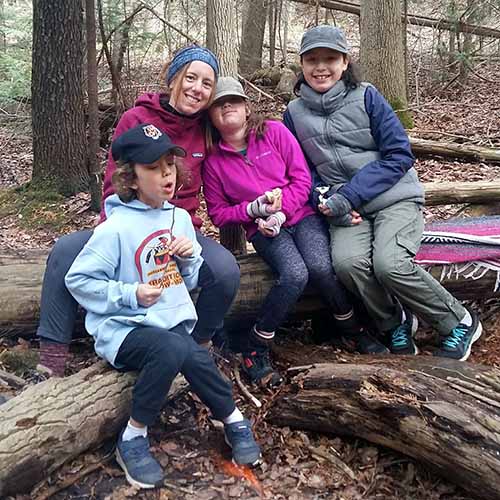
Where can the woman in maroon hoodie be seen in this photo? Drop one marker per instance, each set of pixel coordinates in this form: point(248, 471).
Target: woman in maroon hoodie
point(191, 78)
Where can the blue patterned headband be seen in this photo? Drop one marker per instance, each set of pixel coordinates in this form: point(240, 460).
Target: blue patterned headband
point(189, 54)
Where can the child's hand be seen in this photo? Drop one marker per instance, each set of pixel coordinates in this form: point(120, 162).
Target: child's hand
point(181, 246)
point(147, 295)
point(355, 218)
point(325, 210)
point(271, 226)
point(275, 197)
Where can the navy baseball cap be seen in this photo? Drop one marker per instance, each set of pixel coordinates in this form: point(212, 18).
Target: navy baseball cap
point(144, 143)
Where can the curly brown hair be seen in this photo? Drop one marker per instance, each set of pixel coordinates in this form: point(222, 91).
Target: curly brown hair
point(124, 176)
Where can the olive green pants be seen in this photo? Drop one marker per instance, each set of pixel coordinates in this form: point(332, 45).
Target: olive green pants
point(375, 261)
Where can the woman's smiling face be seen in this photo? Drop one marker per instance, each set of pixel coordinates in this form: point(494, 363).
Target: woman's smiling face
point(192, 89)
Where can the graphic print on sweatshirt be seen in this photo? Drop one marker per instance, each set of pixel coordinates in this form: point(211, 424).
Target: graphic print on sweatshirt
point(153, 262)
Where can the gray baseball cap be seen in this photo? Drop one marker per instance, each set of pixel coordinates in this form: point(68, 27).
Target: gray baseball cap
point(329, 37)
point(226, 86)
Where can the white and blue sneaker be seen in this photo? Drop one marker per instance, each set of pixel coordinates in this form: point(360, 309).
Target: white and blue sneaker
point(239, 437)
point(134, 457)
point(457, 345)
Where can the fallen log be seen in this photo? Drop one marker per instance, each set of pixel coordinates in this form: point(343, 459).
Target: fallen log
point(57, 420)
point(447, 193)
point(429, 22)
point(452, 149)
point(441, 412)
point(21, 277)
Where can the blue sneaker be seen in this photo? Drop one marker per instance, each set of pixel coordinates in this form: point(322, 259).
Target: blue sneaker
point(239, 437)
point(457, 345)
point(401, 337)
point(140, 468)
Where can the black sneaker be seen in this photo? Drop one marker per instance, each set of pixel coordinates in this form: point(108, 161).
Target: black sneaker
point(365, 343)
point(401, 337)
point(257, 366)
point(134, 457)
point(457, 345)
point(239, 437)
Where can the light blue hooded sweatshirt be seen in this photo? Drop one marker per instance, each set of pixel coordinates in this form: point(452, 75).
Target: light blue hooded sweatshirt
point(129, 248)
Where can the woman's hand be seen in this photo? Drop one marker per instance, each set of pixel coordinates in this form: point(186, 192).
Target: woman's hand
point(181, 246)
point(147, 295)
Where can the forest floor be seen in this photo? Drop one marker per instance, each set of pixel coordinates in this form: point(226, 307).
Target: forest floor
point(184, 440)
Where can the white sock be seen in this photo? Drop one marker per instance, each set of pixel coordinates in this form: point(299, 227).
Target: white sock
point(344, 317)
point(268, 336)
point(467, 319)
point(236, 416)
point(132, 432)
point(403, 316)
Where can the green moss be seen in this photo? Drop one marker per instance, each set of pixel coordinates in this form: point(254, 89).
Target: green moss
point(401, 109)
point(19, 362)
point(35, 207)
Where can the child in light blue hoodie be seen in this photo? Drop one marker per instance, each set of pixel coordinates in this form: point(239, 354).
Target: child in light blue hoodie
point(133, 278)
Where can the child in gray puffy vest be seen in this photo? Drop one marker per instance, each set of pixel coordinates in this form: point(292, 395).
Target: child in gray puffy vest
point(366, 186)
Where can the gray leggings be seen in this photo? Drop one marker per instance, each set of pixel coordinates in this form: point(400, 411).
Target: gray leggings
point(298, 254)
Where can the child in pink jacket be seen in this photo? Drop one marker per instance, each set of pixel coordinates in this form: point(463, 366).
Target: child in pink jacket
point(256, 175)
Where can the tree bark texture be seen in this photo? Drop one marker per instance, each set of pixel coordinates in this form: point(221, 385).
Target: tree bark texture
point(58, 119)
point(93, 111)
point(429, 22)
point(223, 34)
point(252, 37)
point(57, 420)
point(382, 55)
point(441, 412)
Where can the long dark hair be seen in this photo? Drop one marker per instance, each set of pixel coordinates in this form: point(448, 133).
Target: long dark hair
point(351, 77)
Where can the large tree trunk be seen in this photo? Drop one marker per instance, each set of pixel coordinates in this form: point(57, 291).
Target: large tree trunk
point(441, 24)
point(93, 111)
point(382, 55)
point(441, 412)
point(57, 420)
point(252, 37)
point(221, 37)
point(221, 24)
point(58, 118)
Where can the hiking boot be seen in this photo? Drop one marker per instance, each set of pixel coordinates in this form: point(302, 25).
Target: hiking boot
point(135, 458)
point(239, 437)
point(401, 337)
point(257, 366)
point(457, 345)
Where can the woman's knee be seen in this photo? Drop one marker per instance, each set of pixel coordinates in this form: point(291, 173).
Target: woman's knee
point(65, 250)
point(222, 270)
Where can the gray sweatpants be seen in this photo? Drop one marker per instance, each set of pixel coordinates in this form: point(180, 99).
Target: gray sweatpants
point(375, 261)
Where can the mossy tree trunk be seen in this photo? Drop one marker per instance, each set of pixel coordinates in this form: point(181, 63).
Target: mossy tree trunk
point(58, 119)
point(382, 54)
